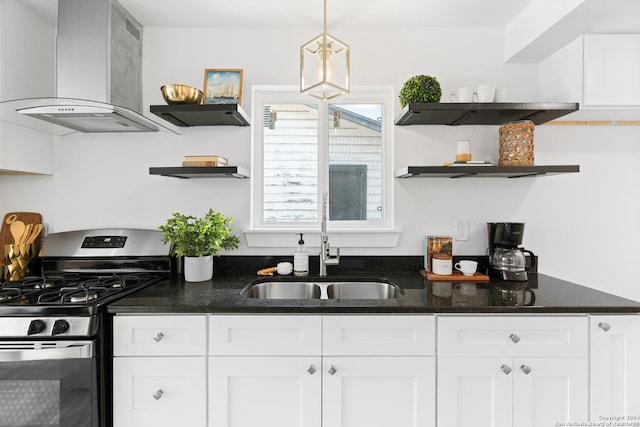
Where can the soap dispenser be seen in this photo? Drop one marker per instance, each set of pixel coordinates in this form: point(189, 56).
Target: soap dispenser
point(301, 259)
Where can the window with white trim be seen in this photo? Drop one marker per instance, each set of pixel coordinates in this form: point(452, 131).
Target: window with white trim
point(304, 147)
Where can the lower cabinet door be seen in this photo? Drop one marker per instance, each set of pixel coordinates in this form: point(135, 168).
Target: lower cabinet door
point(475, 392)
point(615, 367)
point(264, 391)
point(159, 391)
point(550, 391)
point(378, 391)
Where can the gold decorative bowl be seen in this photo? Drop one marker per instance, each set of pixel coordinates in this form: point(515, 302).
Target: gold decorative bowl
point(181, 94)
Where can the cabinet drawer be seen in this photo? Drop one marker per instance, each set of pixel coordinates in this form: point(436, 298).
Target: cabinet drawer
point(159, 335)
point(265, 335)
point(381, 335)
point(159, 391)
point(513, 336)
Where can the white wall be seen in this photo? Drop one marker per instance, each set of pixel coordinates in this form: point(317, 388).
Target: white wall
point(582, 226)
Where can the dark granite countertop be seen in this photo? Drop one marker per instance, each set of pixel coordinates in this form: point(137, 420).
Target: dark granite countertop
point(232, 274)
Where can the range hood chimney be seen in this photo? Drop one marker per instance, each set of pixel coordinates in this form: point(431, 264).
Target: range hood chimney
point(98, 71)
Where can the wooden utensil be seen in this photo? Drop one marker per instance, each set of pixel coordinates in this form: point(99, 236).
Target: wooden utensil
point(17, 230)
point(27, 231)
point(35, 233)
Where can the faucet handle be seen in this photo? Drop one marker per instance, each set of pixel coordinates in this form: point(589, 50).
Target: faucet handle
point(332, 259)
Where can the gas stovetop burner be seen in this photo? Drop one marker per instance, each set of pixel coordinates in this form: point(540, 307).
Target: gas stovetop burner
point(70, 288)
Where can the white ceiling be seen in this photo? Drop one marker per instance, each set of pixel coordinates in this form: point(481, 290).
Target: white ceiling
point(308, 13)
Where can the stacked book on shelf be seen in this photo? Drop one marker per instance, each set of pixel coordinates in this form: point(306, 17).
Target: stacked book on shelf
point(205, 161)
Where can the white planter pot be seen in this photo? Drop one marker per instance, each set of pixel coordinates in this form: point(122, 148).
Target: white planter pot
point(198, 269)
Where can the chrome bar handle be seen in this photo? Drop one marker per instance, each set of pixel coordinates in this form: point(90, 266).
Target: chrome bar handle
point(332, 370)
point(526, 369)
point(515, 338)
point(311, 370)
point(158, 337)
point(604, 326)
point(506, 369)
point(158, 394)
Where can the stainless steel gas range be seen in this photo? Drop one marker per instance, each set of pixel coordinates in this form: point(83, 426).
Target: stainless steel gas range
point(55, 335)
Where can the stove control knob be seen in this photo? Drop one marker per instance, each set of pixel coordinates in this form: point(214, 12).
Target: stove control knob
point(36, 327)
point(60, 326)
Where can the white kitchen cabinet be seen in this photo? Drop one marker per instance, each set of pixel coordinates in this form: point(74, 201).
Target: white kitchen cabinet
point(160, 335)
point(550, 390)
point(614, 367)
point(371, 371)
point(378, 391)
point(379, 335)
point(265, 391)
point(597, 70)
point(24, 73)
point(511, 392)
point(159, 391)
point(512, 371)
point(611, 69)
point(265, 335)
point(475, 392)
point(159, 371)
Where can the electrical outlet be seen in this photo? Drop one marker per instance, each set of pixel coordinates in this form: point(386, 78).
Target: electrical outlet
point(462, 230)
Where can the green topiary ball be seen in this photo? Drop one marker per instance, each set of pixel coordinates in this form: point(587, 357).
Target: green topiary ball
point(420, 89)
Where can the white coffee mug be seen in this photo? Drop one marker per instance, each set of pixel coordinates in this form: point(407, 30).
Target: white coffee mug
point(441, 266)
point(463, 94)
point(484, 93)
point(467, 267)
point(501, 94)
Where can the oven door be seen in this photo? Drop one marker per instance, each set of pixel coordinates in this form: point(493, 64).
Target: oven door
point(48, 384)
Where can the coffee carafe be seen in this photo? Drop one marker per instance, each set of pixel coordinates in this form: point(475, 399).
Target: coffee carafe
point(507, 259)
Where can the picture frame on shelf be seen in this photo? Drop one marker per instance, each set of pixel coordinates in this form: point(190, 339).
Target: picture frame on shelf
point(223, 86)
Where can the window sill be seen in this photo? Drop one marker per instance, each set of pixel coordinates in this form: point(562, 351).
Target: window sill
point(265, 238)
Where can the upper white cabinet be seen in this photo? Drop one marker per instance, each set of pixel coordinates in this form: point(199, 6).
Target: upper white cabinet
point(611, 70)
point(24, 72)
point(600, 71)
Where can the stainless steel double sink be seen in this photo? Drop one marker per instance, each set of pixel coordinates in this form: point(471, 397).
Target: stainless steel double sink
point(316, 289)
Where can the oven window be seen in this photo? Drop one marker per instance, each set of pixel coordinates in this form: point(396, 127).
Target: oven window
point(48, 393)
point(29, 403)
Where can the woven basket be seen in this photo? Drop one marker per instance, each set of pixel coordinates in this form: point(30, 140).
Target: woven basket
point(516, 143)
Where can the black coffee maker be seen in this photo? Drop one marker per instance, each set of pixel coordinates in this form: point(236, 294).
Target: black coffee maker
point(507, 259)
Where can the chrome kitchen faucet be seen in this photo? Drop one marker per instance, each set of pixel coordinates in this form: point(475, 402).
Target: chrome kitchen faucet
point(325, 253)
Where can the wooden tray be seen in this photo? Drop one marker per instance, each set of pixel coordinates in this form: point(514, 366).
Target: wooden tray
point(455, 277)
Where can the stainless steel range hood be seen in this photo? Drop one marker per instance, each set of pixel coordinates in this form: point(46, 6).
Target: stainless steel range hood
point(98, 73)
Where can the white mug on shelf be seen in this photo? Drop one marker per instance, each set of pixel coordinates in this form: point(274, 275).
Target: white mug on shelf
point(463, 94)
point(501, 94)
point(484, 93)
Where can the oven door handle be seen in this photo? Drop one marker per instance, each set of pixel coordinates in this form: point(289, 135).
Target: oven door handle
point(83, 351)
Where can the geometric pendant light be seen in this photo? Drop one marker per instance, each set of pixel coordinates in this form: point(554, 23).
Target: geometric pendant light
point(324, 65)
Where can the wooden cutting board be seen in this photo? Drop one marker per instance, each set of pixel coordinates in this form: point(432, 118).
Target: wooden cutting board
point(456, 276)
point(27, 217)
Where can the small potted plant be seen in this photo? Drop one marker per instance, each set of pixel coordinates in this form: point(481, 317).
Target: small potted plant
point(420, 89)
point(198, 240)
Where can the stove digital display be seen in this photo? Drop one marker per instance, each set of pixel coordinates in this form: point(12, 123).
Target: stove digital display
point(107, 242)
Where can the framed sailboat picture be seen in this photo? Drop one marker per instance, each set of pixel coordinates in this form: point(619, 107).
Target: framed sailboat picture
point(222, 86)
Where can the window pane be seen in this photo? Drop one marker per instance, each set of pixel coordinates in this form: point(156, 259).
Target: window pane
point(355, 162)
point(290, 156)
